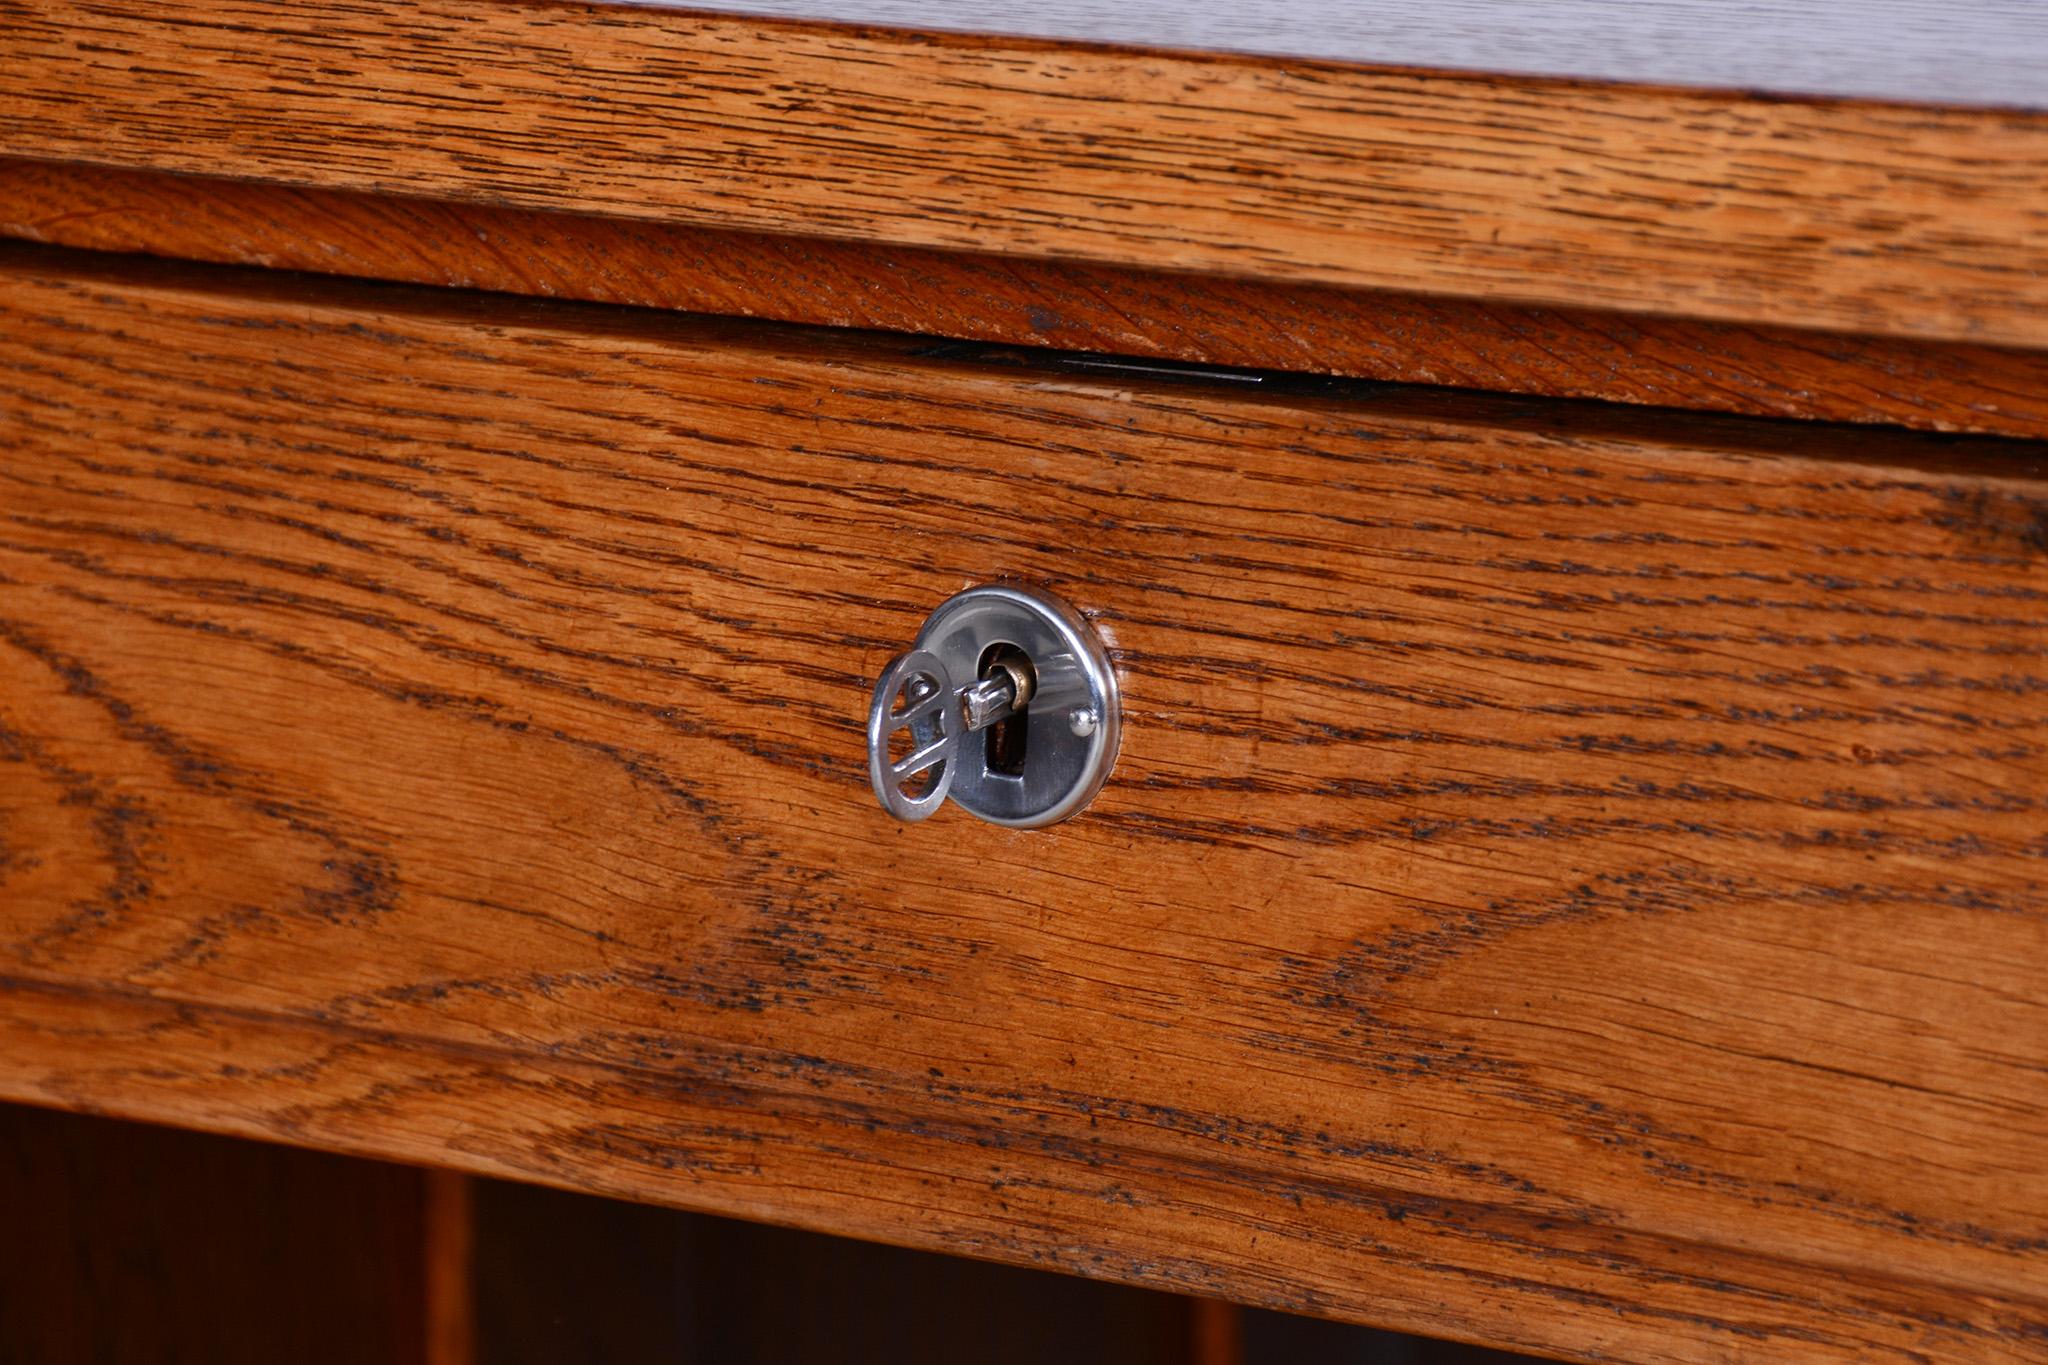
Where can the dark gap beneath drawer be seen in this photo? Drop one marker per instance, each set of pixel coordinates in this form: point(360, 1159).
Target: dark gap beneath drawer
point(127, 1242)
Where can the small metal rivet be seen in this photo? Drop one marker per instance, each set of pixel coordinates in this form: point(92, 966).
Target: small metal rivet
point(1081, 720)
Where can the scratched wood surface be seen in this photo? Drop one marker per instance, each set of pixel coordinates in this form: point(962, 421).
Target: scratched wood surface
point(1573, 880)
point(1859, 217)
point(1206, 320)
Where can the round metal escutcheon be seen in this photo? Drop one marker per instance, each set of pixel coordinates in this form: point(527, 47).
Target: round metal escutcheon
point(1058, 751)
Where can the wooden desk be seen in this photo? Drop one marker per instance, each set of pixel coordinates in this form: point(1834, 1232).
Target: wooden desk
point(1572, 551)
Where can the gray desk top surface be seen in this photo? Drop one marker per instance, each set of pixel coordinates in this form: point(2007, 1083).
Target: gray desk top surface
point(1973, 52)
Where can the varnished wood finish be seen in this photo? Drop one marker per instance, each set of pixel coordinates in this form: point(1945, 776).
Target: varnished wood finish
point(1203, 320)
point(1571, 880)
point(1855, 217)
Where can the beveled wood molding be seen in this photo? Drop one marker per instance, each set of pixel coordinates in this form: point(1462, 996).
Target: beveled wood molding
point(1572, 879)
point(1858, 217)
point(1201, 320)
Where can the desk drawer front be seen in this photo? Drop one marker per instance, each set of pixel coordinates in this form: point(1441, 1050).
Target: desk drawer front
point(1570, 879)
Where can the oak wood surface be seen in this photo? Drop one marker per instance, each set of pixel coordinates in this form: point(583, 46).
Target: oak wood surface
point(1203, 320)
point(1888, 219)
point(1573, 879)
point(1926, 51)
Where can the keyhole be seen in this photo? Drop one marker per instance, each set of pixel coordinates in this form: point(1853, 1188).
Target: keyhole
point(1006, 739)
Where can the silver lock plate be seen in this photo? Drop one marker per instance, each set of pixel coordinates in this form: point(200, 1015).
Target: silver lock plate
point(1035, 765)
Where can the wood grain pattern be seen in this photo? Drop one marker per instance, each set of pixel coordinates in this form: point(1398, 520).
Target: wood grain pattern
point(1893, 220)
point(1925, 51)
point(1202, 320)
point(1571, 881)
